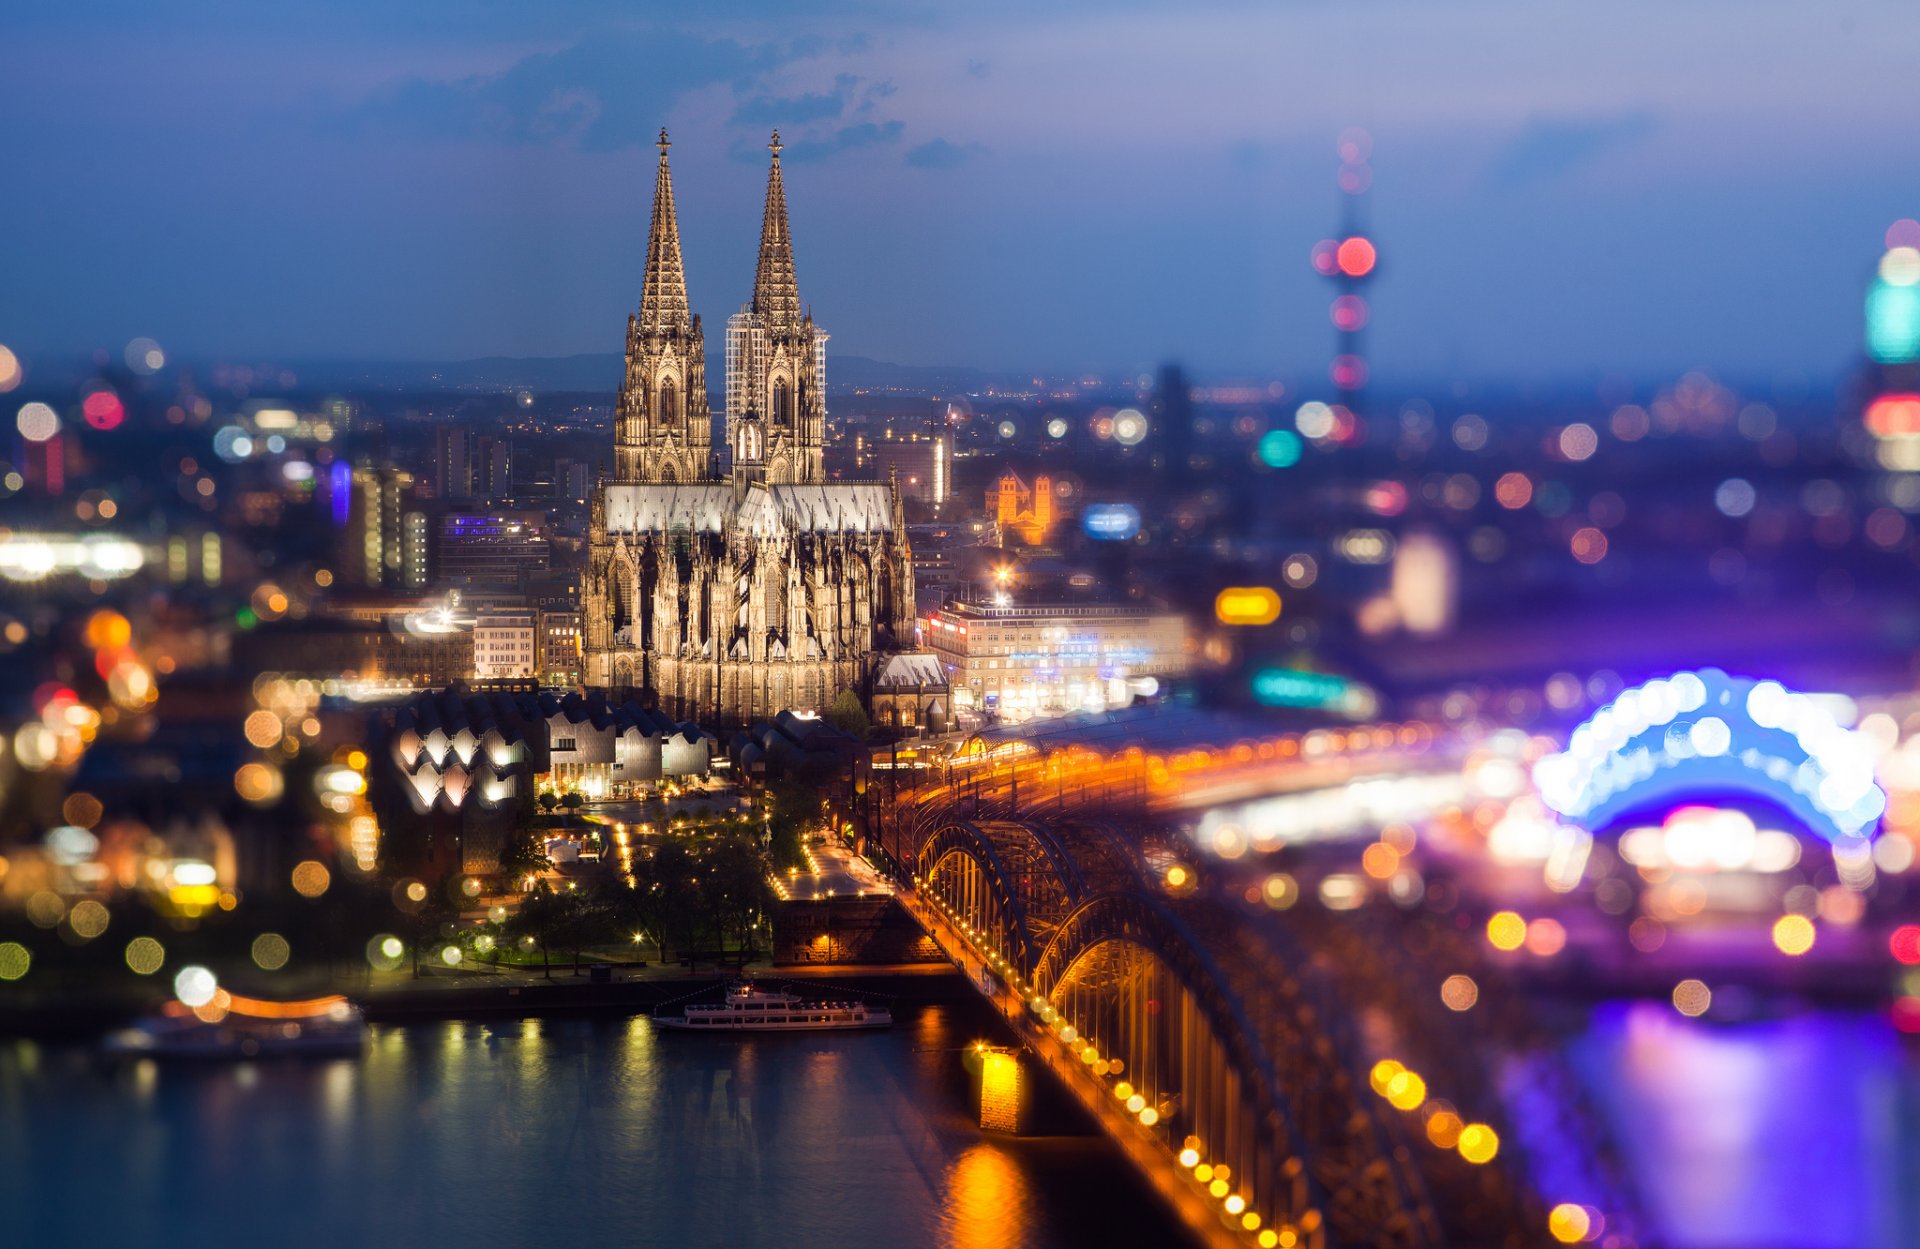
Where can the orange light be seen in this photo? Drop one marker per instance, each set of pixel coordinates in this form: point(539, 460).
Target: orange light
point(1892, 416)
point(1247, 605)
point(1355, 257)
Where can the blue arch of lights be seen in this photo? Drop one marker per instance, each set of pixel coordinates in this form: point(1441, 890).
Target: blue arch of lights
point(1705, 731)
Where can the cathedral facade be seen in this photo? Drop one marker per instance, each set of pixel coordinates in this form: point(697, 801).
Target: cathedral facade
point(724, 598)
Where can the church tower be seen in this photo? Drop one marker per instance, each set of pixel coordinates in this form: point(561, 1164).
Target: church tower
point(776, 360)
point(662, 428)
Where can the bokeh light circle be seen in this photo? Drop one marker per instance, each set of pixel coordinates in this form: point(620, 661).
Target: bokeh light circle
point(15, 959)
point(145, 955)
point(37, 422)
point(271, 951)
point(311, 878)
point(194, 985)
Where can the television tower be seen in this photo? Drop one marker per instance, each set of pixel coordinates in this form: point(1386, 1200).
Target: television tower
point(1349, 261)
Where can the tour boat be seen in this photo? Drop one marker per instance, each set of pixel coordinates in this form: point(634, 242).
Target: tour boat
point(237, 1027)
point(748, 1008)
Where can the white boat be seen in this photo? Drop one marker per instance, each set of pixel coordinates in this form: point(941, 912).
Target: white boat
point(237, 1027)
point(748, 1008)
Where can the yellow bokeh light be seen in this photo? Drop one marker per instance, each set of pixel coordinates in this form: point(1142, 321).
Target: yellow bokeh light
point(15, 959)
point(88, 919)
point(1478, 1143)
point(1443, 1128)
point(263, 729)
point(1406, 1091)
point(258, 783)
point(1793, 934)
point(271, 951)
point(1247, 605)
point(1176, 876)
point(145, 955)
point(1507, 931)
point(1692, 998)
point(1382, 1075)
point(311, 878)
point(1380, 860)
point(1568, 1223)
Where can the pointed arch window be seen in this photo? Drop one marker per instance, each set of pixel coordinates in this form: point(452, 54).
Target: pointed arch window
point(669, 404)
point(782, 403)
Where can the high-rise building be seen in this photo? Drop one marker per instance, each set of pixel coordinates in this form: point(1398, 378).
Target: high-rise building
point(375, 548)
point(452, 463)
point(730, 599)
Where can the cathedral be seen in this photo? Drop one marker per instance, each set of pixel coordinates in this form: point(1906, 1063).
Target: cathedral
point(725, 596)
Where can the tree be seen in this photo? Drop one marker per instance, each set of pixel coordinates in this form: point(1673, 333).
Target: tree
point(734, 889)
point(549, 800)
point(428, 922)
point(544, 916)
point(847, 715)
point(572, 801)
point(524, 854)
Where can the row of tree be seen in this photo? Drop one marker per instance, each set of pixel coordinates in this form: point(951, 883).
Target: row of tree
point(688, 897)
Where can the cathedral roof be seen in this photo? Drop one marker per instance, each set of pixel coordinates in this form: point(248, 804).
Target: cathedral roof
point(763, 511)
point(663, 298)
point(913, 671)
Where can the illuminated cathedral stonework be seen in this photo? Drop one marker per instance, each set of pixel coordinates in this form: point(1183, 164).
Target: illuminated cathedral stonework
point(727, 598)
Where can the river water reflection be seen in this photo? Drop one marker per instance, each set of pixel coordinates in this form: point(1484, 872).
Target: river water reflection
point(1802, 1130)
point(557, 1133)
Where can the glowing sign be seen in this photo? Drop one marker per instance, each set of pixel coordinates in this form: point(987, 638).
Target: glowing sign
point(1111, 522)
point(1705, 732)
point(1289, 687)
point(1893, 308)
point(1247, 605)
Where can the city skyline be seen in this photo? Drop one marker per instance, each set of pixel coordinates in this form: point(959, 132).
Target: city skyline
point(384, 191)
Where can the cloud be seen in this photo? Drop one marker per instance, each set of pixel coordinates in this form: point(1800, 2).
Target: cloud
point(602, 95)
point(844, 139)
point(767, 110)
point(941, 154)
point(1551, 147)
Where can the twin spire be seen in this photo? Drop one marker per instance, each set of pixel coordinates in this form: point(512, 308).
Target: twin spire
point(663, 298)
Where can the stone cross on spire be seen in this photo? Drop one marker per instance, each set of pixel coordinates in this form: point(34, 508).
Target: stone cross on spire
point(663, 297)
point(776, 296)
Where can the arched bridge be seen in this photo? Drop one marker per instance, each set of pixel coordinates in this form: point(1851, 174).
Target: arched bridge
point(1200, 1042)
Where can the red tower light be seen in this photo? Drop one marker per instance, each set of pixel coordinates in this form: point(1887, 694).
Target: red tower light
point(1326, 257)
point(1349, 372)
point(1355, 256)
point(1350, 313)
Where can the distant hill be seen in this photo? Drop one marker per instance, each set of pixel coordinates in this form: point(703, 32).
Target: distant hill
point(601, 371)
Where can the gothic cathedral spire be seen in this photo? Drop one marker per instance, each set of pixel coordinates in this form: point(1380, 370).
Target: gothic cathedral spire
point(663, 298)
point(776, 295)
point(662, 432)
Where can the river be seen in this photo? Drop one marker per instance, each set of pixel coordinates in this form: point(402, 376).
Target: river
point(1800, 1130)
point(554, 1133)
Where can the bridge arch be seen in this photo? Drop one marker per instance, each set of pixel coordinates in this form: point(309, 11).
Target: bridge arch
point(1705, 732)
point(1004, 880)
point(1261, 1091)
